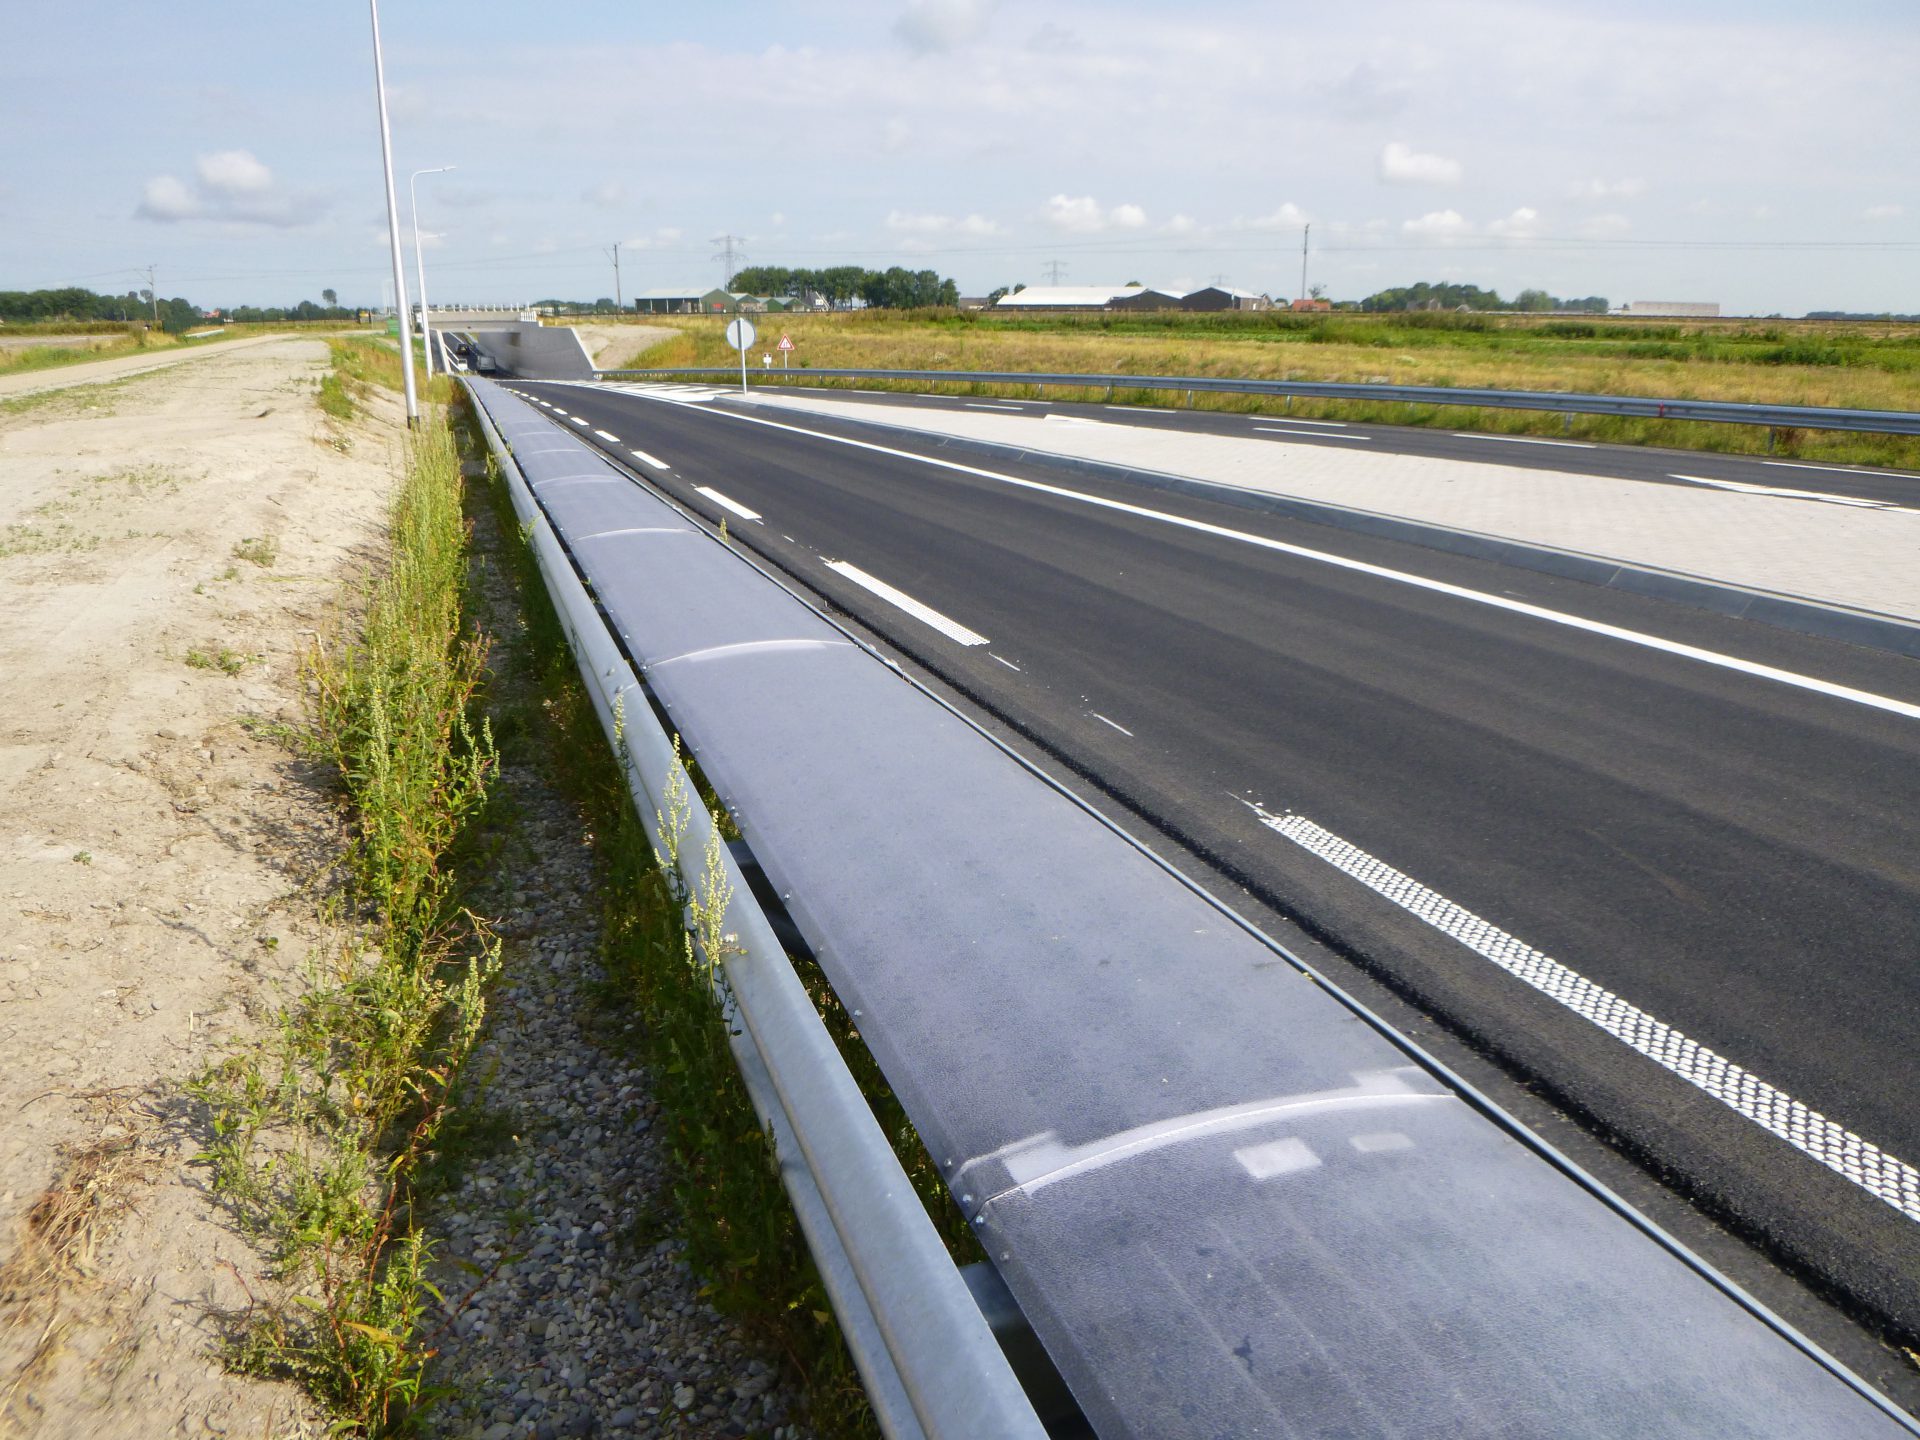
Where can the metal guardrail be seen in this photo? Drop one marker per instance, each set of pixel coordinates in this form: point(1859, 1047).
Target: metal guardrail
point(931, 1365)
point(1719, 412)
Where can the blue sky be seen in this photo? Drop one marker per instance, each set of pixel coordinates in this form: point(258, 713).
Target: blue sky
point(1757, 154)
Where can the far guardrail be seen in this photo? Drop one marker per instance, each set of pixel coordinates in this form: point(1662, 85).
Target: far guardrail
point(1720, 412)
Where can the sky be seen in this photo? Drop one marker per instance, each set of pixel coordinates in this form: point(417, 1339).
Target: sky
point(1758, 154)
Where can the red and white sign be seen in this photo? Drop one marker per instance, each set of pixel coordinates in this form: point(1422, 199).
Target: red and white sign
point(786, 342)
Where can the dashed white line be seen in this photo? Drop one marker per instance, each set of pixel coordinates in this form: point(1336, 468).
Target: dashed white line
point(645, 459)
point(1331, 424)
point(576, 420)
point(613, 439)
point(1524, 440)
point(1840, 1150)
point(725, 504)
point(1150, 409)
point(976, 405)
point(925, 614)
point(1114, 723)
point(1380, 572)
point(1310, 434)
point(1008, 663)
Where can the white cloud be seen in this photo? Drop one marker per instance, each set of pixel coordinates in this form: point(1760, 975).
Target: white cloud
point(1521, 224)
point(1083, 215)
point(1883, 212)
point(1606, 189)
point(1403, 165)
point(934, 27)
point(1441, 224)
point(904, 223)
point(233, 172)
point(1180, 225)
point(230, 186)
point(1288, 217)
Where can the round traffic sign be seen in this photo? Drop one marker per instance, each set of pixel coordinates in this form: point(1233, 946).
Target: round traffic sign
point(740, 333)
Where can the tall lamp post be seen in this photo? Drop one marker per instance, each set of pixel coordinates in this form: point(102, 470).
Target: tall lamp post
point(393, 227)
point(419, 265)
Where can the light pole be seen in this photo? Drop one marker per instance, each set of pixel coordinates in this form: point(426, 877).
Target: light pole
point(393, 227)
point(419, 265)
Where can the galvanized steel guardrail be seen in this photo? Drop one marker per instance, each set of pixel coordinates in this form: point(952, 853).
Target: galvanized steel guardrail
point(930, 1363)
point(1719, 412)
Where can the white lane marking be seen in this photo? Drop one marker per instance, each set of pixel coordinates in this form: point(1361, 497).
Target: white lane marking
point(615, 439)
point(725, 504)
point(1150, 409)
point(1856, 501)
point(576, 419)
point(645, 459)
point(1840, 469)
point(1840, 1150)
point(976, 405)
point(1008, 663)
point(925, 614)
point(1331, 424)
point(1361, 567)
point(1524, 440)
point(1310, 434)
point(1115, 723)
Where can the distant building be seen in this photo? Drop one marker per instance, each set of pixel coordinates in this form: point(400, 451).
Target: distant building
point(1674, 309)
point(1068, 297)
point(1148, 299)
point(1224, 297)
point(1315, 305)
point(671, 300)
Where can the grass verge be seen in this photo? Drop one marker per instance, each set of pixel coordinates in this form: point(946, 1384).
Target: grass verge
point(320, 1134)
point(657, 1000)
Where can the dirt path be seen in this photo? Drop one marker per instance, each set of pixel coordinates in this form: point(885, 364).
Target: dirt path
point(92, 372)
point(167, 545)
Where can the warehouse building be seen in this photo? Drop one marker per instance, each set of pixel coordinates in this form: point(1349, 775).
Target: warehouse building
point(1130, 297)
point(1674, 309)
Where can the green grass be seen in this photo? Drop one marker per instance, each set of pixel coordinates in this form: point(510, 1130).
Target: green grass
point(218, 657)
point(261, 550)
point(657, 1001)
point(320, 1134)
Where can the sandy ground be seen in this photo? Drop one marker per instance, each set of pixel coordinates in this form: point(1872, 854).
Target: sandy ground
point(615, 346)
point(167, 545)
point(35, 382)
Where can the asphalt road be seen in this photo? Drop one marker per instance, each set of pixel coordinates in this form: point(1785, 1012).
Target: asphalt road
point(1731, 852)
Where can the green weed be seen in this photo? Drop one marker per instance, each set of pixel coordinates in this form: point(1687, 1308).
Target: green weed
point(258, 550)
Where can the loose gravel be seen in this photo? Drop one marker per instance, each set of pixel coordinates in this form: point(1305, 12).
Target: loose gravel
point(564, 1314)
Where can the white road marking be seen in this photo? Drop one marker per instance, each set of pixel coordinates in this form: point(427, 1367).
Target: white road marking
point(1524, 440)
point(1856, 501)
point(1008, 663)
point(977, 405)
point(1150, 409)
point(1381, 572)
point(1310, 434)
point(645, 459)
point(1115, 723)
point(615, 439)
point(725, 504)
point(925, 614)
point(1332, 424)
point(576, 419)
point(1840, 1150)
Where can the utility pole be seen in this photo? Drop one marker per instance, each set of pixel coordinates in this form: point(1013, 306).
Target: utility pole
point(393, 227)
point(1305, 231)
point(619, 300)
point(730, 255)
point(153, 293)
point(420, 265)
point(1055, 269)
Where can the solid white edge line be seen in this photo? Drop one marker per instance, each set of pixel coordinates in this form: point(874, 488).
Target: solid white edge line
point(925, 614)
point(1880, 1174)
point(611, 439)
point(1524, 440)
point(1842, 469)
point(725, 504)
point(1361, 567)
point(1310, 434)
point(1115, 723)
point(1008, 663)
point(1780, 492)
point(645, 459)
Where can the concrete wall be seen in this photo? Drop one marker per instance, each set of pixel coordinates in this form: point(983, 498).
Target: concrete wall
point(533, 352)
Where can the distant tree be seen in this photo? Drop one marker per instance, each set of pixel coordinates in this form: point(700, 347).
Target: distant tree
point(1133, 284)
point(1318, 292)
point(1533, 301)
point(332, 299)
point(993, 296)
point(178, 316)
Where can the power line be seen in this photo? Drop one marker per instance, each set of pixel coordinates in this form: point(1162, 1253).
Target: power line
point(1055, 270)
point(730, 255)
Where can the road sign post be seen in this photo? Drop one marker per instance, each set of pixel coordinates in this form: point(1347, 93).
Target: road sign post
point(740, 336)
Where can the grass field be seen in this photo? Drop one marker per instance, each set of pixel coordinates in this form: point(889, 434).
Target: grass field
point(1824, 363)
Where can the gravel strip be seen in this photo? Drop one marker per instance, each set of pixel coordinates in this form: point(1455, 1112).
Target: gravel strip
point(572, 1327)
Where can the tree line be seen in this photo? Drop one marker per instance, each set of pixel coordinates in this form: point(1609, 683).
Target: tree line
point(896, 288)
point(1445, 296)
point(75, 303)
